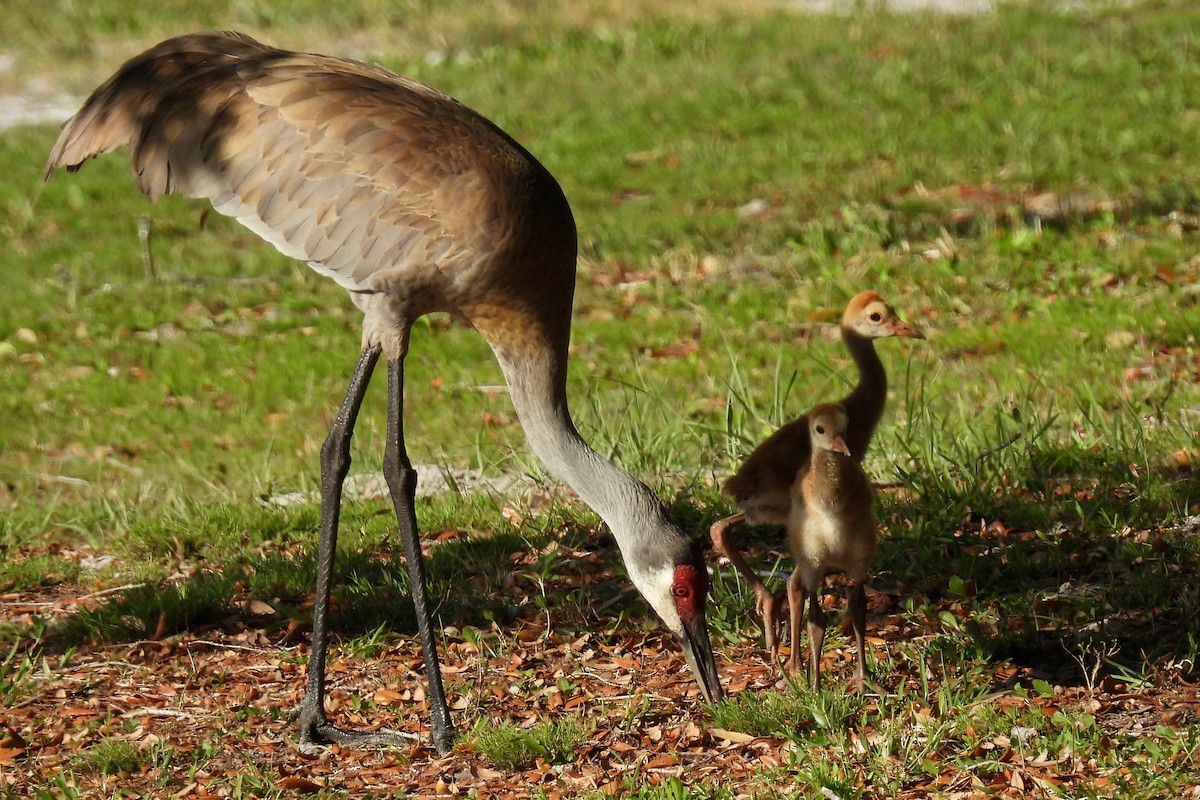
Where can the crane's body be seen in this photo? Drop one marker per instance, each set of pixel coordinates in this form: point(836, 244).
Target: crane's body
point(413, 203)
point(831, 528)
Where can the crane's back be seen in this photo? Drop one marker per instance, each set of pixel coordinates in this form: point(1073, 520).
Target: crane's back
point(762, 485)
point(379, 182)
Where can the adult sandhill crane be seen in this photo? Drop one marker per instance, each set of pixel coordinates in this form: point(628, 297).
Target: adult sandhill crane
point(413, 203)
point(831, 527)
point(762, 487)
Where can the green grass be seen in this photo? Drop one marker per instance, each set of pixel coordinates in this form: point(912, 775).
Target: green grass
point(213, 345)
point(111, 758)
point(512, 746)
point(1045, 437)
point(15, 672)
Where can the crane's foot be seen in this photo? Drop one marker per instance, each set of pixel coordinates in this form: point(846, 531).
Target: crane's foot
point(317, 732)
point(793, 665)
point(858, 681)
point(313, 739)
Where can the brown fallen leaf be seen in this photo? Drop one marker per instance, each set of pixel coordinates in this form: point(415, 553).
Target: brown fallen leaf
point(386, 697)
point(664, 760)
point(680, 350)
point(295, 783)
point(78, 711)
point(259, 608)
point(10, 754)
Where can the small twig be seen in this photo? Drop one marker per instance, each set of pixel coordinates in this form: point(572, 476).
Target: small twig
point(1007, 443)
point(223, 646)
point(612, 600)
point(112, 462)
point(958, 471)
point(145, 227)
point(113, 590)
point(157, 712)
point(46, 477)
point(416, 737)
point(621, 697)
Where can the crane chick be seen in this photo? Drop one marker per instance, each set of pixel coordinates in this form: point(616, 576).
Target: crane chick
point(831, 527)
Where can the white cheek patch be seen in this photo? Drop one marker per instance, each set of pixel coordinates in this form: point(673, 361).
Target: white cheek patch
point(655, 585)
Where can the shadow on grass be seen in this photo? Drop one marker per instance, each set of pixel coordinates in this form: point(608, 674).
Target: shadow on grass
point(1046, 563)
point(474, 580)
point(1043, 556)
point(1035, 566)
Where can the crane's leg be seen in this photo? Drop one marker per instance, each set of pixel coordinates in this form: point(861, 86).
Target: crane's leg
point(335, 463)
point(816, 633)
point(765, 602)
point(858, 621)
point(402, 484)
point(795, 595)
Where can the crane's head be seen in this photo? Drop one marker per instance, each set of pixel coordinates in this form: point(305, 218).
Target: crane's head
point(868, 315)
point(827, 428)
point(676, 585)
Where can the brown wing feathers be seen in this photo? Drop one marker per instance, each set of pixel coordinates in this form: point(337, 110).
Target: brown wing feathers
point(118, 111)
point(309, 152)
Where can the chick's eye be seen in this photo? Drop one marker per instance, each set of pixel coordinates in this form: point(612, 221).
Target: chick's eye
point(876, 317)
point(821, 429)
point(679, 590)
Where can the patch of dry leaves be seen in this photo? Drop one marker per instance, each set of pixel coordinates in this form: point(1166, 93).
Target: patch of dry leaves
point(217, 698)
point(231, 688)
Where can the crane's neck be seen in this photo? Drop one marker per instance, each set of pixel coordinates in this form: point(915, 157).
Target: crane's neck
point(865, 403)
point(629, 508)
point(823, 480)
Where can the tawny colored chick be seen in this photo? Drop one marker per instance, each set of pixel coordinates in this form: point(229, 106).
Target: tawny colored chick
point(763, 485)
point(831, 528)
point(413, 203)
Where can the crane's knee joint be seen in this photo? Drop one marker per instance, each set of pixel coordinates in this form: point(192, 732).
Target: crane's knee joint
point(335, 457)
point(400, 475)
point(719, 533)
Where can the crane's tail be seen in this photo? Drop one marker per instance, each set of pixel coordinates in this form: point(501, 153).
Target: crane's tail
point(131, 106)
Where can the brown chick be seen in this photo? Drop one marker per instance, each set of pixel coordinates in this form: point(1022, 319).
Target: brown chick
point(762, 487)
point(831, 528)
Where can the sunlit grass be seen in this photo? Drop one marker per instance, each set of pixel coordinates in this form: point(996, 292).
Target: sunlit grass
point(514, 747)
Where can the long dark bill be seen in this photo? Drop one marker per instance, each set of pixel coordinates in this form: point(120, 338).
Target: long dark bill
point(697, 649)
